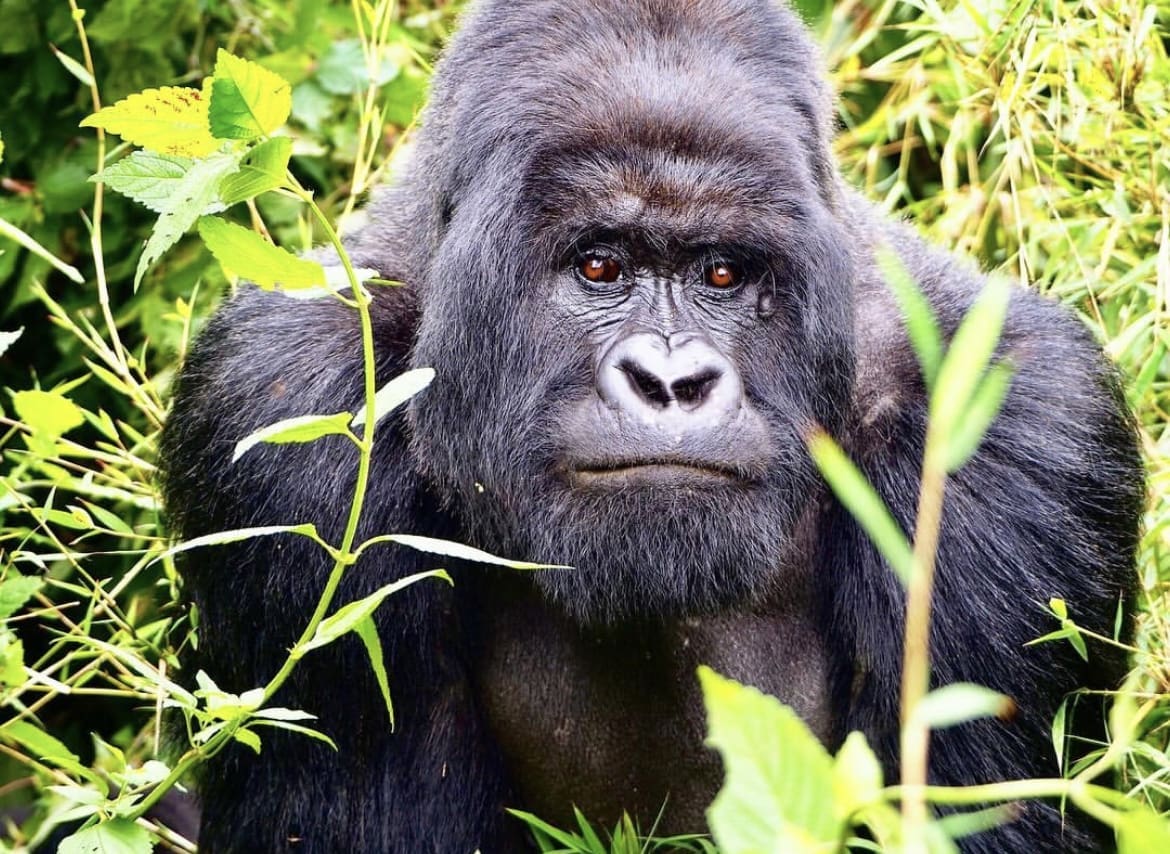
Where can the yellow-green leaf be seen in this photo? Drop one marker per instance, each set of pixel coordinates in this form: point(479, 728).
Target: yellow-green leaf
point(171, 120)
point(46, 412)
point(247, 100)
point(247, 254)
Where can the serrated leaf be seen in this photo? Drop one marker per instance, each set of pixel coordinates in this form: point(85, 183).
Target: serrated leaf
point(395, 393)
point(148, 178)
point(193, 194)
point(863, 503)
point(778, 790)
point(247, 254)
point(346, 618)
point(247, 100)
point(117, 836)
point(292, 431)
point(170, 120)
point(47, 413)
point(262, 169)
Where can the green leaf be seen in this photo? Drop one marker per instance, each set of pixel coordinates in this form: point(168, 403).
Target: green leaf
point(395, 393)
point(347, 617)
point(247, 100)
point(262, 169)
point(38, 743)
point(863, 503)
point(15, 591)
point(986, 402)
point(171, 120)
point(968, 356)
point(11, 232)
point(778, 792)
point(1142, 831)
point(222, 538)
point(193, 195)
point(368, 632)
point(247, 254)
point(921, 326)
point(73, 66)
point(857, 775)
point(446, 548)
point(7, 339)
point(292, 431)
point(12, 670)
point(960, 702)
point(148, 178)
point(47, 413)
point(247, 738)
point(117, 836)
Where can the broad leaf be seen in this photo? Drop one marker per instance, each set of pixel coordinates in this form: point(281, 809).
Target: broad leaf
point(263, 169)
point(247, 100)
point(778, 791)
point(117, 836)
point(47, 413)
point(171, 120)
point(148, 178)
point(193, 195)
point(250, 256)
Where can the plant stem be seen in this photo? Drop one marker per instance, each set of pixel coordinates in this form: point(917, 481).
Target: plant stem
point(915, 746)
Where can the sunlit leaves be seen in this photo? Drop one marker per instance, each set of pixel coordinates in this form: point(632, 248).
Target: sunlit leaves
point(149, 178)
point(247, 254)
point(263, 169)
point(171, 120)
point(247, 100)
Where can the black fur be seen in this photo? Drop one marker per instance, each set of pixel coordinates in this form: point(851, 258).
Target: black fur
point(697, 123)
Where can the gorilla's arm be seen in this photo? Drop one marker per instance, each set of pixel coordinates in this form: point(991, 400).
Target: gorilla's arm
point(433, 785)
point(1044, 509)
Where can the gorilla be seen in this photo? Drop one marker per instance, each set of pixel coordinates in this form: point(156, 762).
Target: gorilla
point(626, 252)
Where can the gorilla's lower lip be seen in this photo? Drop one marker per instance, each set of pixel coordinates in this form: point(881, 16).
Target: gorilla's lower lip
point(653, 471)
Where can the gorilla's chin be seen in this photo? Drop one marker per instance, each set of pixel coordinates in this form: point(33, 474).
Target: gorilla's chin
point(646, 542)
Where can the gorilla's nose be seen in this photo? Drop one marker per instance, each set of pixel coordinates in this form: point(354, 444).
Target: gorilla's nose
point(651, 376)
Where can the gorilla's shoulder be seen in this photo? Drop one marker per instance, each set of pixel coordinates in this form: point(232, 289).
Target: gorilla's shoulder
point(1061, 383)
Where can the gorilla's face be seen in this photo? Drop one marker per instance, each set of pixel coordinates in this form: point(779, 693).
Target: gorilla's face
point(650, 307)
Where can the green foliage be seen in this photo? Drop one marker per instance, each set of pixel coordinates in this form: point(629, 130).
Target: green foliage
point(1031, 135)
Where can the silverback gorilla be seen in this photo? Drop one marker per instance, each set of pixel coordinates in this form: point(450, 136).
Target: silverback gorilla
point(629, 258)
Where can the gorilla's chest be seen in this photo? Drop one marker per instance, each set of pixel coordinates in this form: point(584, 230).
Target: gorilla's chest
point(613, 720)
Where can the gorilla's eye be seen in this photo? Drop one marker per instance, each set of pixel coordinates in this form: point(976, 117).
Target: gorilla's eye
point(721, 275)
point(599, 269)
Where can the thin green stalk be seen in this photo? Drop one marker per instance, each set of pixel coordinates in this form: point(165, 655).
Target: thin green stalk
point(915, 736)
point(344, 552)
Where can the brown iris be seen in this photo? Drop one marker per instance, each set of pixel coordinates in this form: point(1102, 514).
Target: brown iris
point(599, 269)
point(722, 276)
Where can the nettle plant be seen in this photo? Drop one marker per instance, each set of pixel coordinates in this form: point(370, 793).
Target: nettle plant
point(200, 152)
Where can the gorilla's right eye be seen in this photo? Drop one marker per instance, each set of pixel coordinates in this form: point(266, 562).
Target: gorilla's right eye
point(599, 269)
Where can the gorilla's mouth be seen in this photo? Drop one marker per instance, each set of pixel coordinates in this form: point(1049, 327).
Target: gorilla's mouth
point(660, 472)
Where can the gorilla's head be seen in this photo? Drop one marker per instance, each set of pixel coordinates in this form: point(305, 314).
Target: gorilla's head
point(635, 294)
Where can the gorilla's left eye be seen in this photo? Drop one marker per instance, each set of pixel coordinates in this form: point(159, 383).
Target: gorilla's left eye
point(599, 269)
point(721, 275)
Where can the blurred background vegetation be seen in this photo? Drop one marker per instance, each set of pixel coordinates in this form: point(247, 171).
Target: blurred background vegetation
point(1032, 134)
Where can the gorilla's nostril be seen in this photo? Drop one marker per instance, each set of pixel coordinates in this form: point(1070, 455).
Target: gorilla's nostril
point(693, 390)
point(647, 385)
